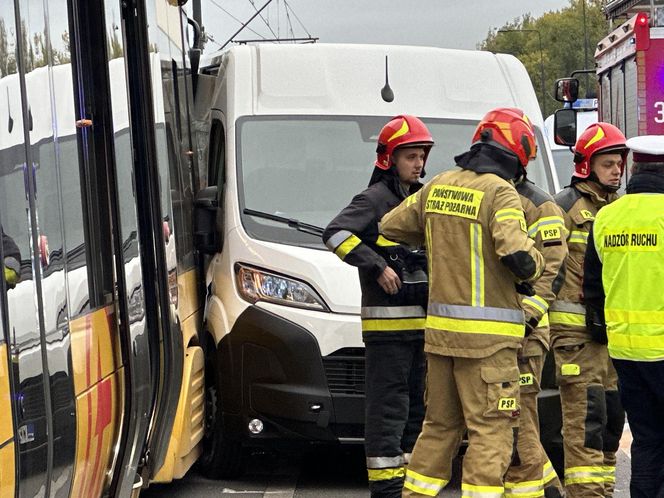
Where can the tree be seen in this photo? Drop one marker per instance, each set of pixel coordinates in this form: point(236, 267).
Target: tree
point(563, 49)
point(39, 49)
point(4, 49)
point(64, 56)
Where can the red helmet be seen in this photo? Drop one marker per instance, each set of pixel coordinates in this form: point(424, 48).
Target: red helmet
point(598, 137)
point(399, 132)
point(509, 129)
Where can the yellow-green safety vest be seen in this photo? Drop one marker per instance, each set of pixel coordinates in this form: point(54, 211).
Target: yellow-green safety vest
point(629, 239)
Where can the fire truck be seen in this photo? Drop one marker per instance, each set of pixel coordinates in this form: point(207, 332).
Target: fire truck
point(630, 71)
point(630, 68)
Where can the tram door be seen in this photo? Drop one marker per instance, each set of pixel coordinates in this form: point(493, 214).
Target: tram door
point(41, 210)
point(67, 322)
point(91, 354)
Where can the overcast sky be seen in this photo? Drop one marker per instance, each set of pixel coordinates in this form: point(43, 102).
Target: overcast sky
point(440, 23)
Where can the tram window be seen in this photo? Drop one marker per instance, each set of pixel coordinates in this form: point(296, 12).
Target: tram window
point(217, 155)
point(71, 204)
point(48, 201)
point(176, 188)
point(125, 176)
point(182, 178)
point(176, 208)
point(67, 199)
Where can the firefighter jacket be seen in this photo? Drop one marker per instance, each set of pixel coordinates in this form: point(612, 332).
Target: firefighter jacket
point(477, 245)
point(353, 236)
point(579, 203)
point(625, 269)
point(547, 228)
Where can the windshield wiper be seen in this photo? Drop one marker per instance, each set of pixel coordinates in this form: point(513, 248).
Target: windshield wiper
point(293, 223)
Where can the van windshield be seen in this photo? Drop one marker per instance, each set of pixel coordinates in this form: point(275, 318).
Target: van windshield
point(309, 168)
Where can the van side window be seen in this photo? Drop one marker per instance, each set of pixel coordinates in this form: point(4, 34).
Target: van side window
point(217, 155)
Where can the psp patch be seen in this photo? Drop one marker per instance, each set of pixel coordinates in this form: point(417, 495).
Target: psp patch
point(526, 379)
point(570, 369)
point(507, 404)
point(551, 233)
point(524, 227)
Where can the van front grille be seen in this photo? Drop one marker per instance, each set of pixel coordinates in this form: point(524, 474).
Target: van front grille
point(345, 374)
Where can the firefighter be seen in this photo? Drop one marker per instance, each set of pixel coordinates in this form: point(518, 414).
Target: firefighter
point(532, 472)
point(12, 260)
point(475, 235)
point(624, 268)
point(394, 293)
point(593, 418)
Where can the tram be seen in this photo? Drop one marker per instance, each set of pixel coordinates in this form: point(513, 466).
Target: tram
point(101, 362)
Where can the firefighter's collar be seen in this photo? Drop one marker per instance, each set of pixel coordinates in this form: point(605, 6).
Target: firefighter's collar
point(595, 192)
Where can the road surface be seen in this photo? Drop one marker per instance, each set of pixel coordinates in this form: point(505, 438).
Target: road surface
point(319, 472)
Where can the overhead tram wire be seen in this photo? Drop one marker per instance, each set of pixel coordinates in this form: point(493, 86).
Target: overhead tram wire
point(264, 20)
point(288, 19)
point(213, 2)
point(288, 10)
point(297, 18)
point(246, 23)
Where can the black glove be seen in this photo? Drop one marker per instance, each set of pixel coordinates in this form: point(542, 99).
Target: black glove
point(596, 325)
point(525, 289)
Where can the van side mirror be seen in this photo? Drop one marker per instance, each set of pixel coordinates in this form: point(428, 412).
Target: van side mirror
point(567, 90)
point(564, 126)
point(207, 236)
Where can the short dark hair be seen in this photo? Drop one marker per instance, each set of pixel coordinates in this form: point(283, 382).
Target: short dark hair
point(657, 168)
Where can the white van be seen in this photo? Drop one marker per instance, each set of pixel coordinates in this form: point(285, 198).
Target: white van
point(290, 132)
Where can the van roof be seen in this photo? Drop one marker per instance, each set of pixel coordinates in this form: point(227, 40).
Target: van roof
point(346, 79)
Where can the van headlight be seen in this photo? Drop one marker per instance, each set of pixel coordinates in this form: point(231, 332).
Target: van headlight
point(260, 285)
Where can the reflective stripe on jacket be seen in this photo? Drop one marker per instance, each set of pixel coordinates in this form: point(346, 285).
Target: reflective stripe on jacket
point(628, 237)
point(580, 203)
point(478, 247)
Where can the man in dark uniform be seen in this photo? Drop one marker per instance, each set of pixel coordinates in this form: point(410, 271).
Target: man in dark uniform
point(394, 295)
point(622, 286)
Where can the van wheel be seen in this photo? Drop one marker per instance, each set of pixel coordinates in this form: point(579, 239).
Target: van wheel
point(222, 458)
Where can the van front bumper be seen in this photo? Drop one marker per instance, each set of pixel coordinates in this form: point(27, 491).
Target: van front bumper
point(273, 371)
